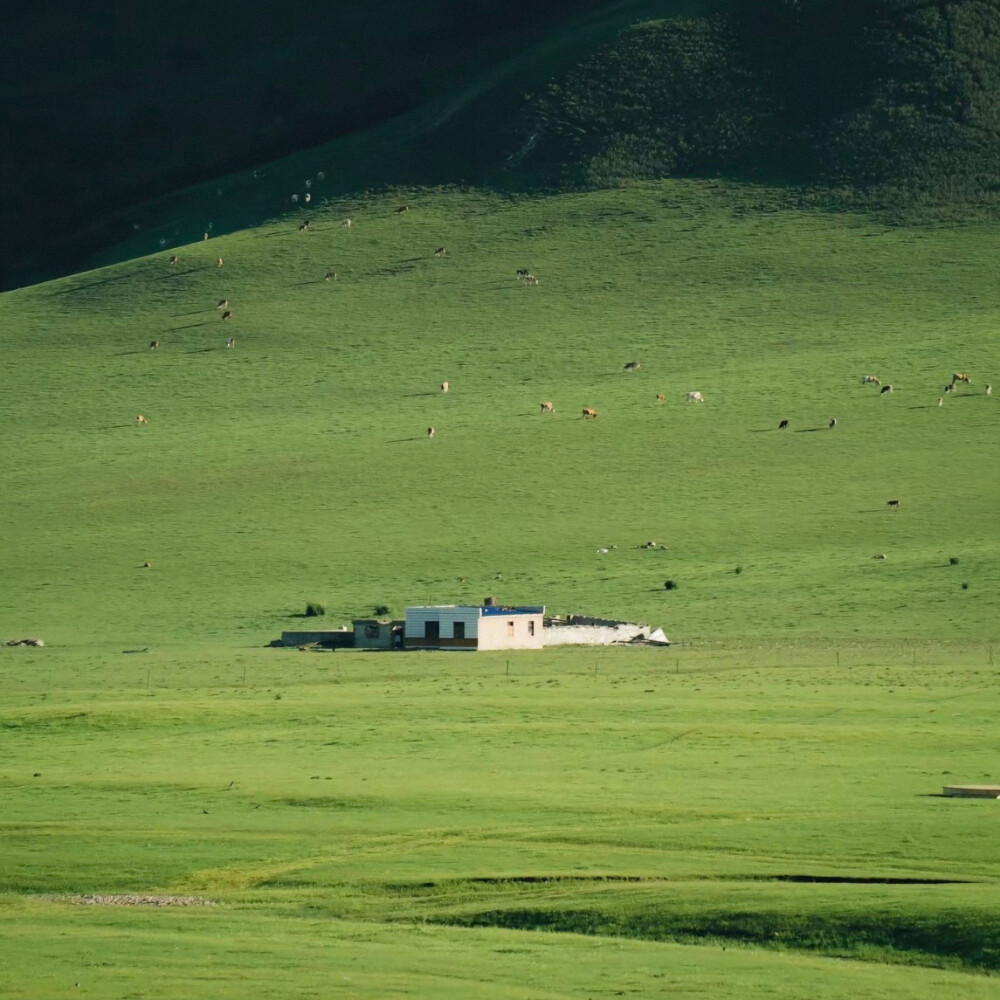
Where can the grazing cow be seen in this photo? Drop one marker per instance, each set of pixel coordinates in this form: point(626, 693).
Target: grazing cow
point(961, 377)
point(530, 279)
point(304, 226)
point(330, 276)
point(522, 273)
point(445, 387)
point(402, 209)
point(222, 304)
point(346, 223)
point(871, 380)
point(441, 252)
point(632, 366)
point(950, 387)
point(894, 504)
point(782, 425)
point(989, 389)
point(153, 345)
point(230, 342)
point(940, 401)
point(884, 390)
point(147, 565)
point(589, 412)
point(140, 419)
point(219, 262)
point(228, 314)
point(174, 259)
point(204, 236)
point(879, 555)
point(660, 398)
point(606, 549)
point(832, 423)
point(648, 545)
point(430, 432)
point(694, 397)
point(548, 407)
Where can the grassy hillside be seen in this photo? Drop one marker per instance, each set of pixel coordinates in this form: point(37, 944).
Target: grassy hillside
point(756, 808)
point(889, 106)
point(297, 465)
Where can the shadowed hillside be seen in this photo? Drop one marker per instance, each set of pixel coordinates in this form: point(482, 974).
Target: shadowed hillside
point(892, 105)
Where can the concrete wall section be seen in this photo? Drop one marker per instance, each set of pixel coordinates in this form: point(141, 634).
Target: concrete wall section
point(594, 635)
point(513, 631)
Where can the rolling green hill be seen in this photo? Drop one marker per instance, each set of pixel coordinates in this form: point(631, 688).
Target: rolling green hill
point(297, 465)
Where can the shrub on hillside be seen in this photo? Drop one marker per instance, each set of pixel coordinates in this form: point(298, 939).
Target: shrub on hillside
point(314, 609)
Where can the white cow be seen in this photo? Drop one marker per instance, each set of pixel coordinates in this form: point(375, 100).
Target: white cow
point(694, 397)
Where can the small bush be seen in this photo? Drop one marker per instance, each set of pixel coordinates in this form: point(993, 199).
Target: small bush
point(738, 570)
point(314, 609)
point(381, 610)
point(953, 561)
point(669, 584)
point(965, 586)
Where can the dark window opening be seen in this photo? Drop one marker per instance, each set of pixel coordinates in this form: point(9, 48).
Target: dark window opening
point(432, 630)
point(458, 630)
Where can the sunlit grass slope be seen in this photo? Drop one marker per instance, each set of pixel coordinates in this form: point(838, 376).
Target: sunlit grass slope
point(297, 465)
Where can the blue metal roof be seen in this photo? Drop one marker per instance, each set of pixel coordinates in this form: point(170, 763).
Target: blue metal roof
point(534, 609)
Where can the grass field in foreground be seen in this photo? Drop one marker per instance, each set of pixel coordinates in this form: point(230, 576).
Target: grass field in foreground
point(297, 466)
point(745, 796)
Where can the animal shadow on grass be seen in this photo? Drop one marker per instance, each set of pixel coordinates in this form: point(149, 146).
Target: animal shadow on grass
point(809, 430)
point(760, 430)
point(190, 326)
point(405, 440)
point(92, 284)
point(197, 312)
point(311, 281)
point(122, 354)
point(410, 395)
point(200, 350)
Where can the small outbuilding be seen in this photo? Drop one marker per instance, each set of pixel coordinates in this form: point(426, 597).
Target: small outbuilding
point(473, 626)
point(372, 633)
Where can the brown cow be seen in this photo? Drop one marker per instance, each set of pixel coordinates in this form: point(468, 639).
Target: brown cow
point(222, 304)
point(174, 259)
point(530, 279)
point(589, 412)
point(402, 209)
point(330, 276)
point(140, 419)
point(961, 377)
point(548, 407)
point(441, 252)
point(871, 380)
point(660, 398)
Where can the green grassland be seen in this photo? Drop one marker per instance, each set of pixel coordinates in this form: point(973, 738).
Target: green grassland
point(388, 824)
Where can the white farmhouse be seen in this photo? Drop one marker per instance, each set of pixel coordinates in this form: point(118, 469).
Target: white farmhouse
point(470, 626)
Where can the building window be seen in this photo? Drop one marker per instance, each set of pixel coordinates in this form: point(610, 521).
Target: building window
point(531, 627)
point(510, 630)
point(432, 630)
point(458, 630)
point(371, 631)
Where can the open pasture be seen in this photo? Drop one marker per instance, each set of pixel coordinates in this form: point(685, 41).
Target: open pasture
point(297, 465)
point(376, 825)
